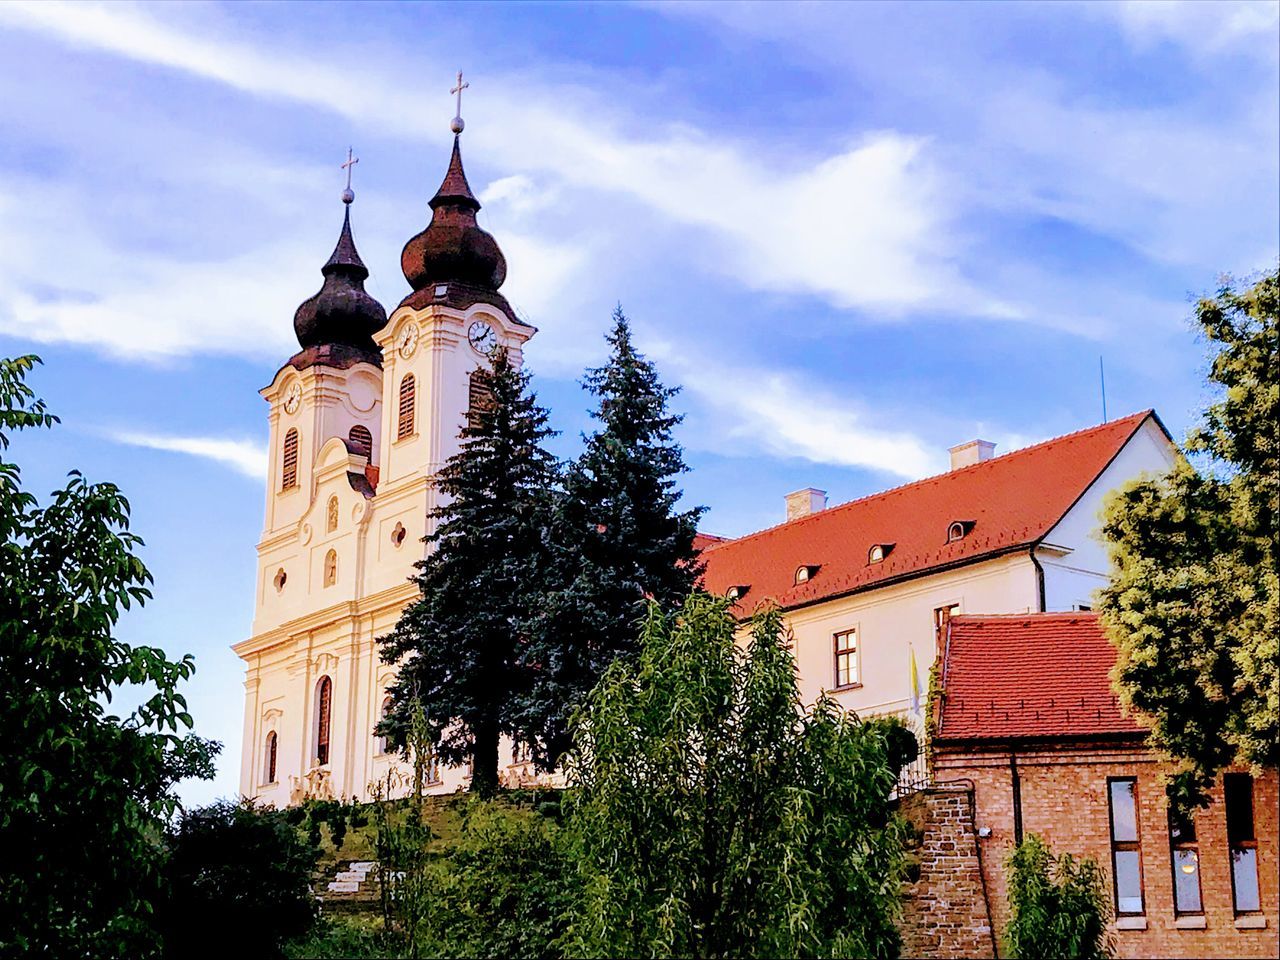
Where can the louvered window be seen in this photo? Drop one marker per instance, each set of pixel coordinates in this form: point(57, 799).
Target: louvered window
point(361, 440)
point(408, 393)
point(289, 475)
point(480, 398)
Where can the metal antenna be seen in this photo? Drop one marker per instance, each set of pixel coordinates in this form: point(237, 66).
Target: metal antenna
point(1102, 378)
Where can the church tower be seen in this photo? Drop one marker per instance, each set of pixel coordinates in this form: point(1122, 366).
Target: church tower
point(361, 419)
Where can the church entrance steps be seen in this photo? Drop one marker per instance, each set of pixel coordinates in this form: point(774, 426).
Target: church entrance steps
point(349, 886)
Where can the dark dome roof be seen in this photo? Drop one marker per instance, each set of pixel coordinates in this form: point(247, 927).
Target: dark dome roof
point(342, 313)
point(453, 248)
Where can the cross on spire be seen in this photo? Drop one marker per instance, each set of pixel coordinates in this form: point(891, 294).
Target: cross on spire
point(348, 194)
point(456, 125)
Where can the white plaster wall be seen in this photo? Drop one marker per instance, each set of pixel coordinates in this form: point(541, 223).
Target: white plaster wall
point(895, 620)
point(1071, 578)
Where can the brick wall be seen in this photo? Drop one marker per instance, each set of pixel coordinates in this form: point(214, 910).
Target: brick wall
point(944, 910)
point(1064, 800)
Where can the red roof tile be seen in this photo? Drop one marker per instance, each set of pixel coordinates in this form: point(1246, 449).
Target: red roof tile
point(1029, 676)
point(1011, 500)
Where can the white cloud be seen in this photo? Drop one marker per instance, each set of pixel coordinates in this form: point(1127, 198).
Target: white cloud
point(243, 456)
point(783, 414)
point(1203, 28)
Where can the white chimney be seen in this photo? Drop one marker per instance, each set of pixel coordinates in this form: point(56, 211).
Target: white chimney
point(975, 451)
point(806, 501)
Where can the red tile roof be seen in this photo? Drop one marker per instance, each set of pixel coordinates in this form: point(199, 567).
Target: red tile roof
point(1028, 676)
point(1012, 501)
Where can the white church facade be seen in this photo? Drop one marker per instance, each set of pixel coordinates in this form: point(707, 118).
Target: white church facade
point(370, 408)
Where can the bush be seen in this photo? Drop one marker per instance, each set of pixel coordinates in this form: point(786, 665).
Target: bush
point(343, 938)
point(237, 876)
point(503, 888)
point(1058, 905)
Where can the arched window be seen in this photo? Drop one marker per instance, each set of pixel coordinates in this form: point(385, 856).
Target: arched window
point(324, 711)
point(269, 759)
point(331, 515)
point(361, 440)
point(289, 475)
point(479, 398)
point(408, 392)
point(384, 743)
point(330, 568)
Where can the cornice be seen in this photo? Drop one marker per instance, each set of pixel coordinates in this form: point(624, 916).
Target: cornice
point(347, 610)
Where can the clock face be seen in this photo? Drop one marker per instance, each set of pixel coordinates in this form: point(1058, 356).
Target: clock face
point(407, 342)
point(292, 397)
point(482, 337)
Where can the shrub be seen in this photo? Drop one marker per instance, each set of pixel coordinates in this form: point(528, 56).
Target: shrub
point(1058, 905)
point(502, 889)
point(238, 876)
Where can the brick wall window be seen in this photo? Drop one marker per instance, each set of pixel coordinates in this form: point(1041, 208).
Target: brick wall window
point(1126, 854)
point(1237, 790)
point(408, 394)
point(845, 647)
point(289, 474)
point(1184, 853)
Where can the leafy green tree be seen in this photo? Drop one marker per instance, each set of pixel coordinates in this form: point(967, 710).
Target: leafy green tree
point(1058, 906)
point(235, 874)
point(619, 539)
point(83, 793)
point(1192, 606)
point(461, 643)
point(713, 816)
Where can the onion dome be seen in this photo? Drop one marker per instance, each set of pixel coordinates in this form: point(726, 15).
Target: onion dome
point(339, 322)
point(453, 248)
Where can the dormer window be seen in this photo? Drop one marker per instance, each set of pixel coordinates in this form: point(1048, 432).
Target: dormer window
point(737, 591)
point(805, 573)
point(959, 529)
point(879, 551)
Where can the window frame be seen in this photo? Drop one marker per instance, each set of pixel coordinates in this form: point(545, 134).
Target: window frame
point(1192, 845)
point(1235, 843)
point(854, 652)
point(272, 755)
point(324, 720)
point(289, 460)
point(1125, 846)
point(361, 437)
point(407, 408)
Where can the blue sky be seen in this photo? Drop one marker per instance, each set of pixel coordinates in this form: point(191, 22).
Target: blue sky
point(855, 234)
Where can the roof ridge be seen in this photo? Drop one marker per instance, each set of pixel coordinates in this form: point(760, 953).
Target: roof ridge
point(1138, 416)
point(1024, 616)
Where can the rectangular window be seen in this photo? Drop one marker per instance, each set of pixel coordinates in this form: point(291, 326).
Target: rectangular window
point(1126, 856)
point(846, 658)
point(1185, 856)
point(1237, 790)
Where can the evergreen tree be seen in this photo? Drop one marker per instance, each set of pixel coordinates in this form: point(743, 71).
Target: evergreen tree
point(619, 539)
point(1194, 598)
point(460, 645)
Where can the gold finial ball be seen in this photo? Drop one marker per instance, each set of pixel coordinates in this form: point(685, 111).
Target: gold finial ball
point(456, 125)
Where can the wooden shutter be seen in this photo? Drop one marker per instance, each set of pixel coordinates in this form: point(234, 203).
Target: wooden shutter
point(290, 473)
point(479, 398)
point(408, 390)
point(322, 731)
point(361, 440)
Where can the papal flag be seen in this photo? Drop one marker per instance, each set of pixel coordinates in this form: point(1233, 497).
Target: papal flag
point(915, 683)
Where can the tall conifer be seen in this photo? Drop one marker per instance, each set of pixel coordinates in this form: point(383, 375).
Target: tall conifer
point(459, 645)
point(619, 539)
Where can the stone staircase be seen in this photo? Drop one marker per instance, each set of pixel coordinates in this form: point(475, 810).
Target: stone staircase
point(350, 886)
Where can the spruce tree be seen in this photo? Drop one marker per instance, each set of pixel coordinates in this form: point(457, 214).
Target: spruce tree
point(619, 539)
point(459, 645)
